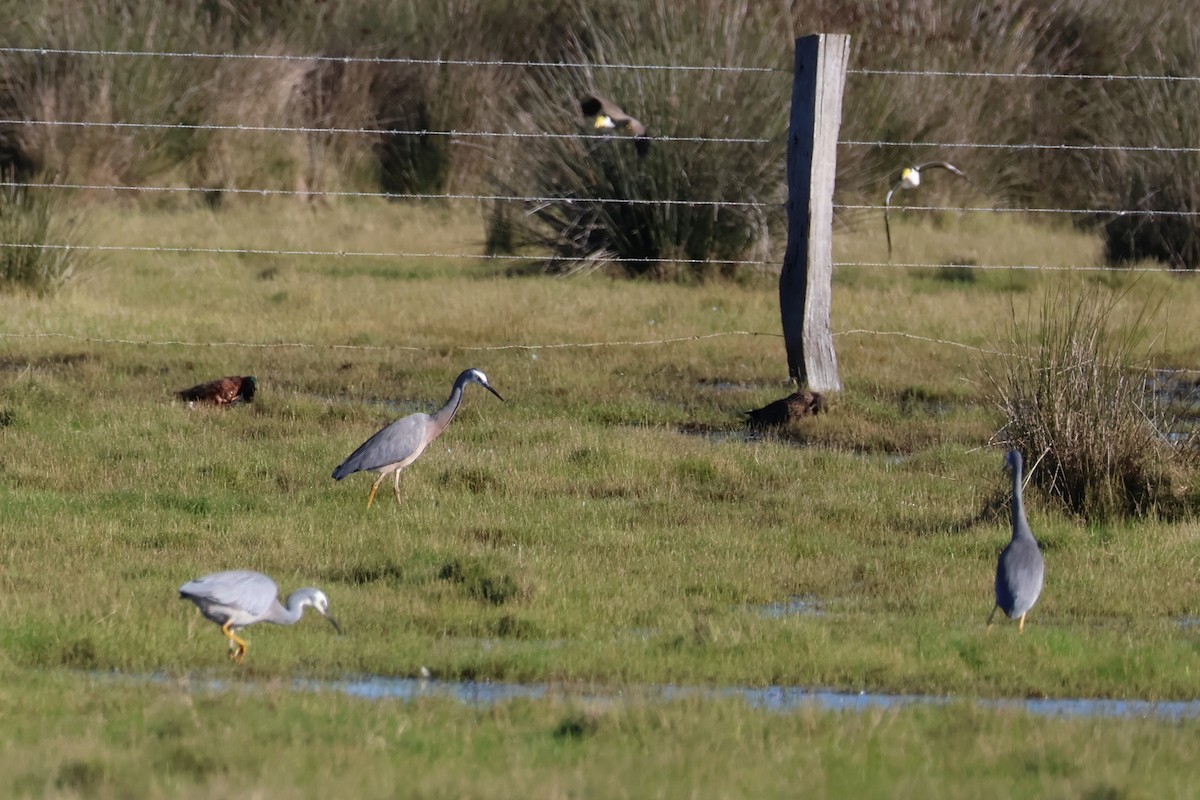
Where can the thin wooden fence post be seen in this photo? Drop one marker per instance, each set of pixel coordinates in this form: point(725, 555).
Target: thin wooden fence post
point(805, 284)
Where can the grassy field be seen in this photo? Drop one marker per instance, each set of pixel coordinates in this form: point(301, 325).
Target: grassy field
point(609, 525)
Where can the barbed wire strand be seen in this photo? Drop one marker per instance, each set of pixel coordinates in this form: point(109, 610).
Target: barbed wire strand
point(509, 347)
point(184, 250)
point(369, 347)
point(537, 135)
point(243, 251)
point(1104, 148)
point(402, 60)
point(1116, 212)
point(308, 193)
point(311, 193)
point(1067, 76)
point(372, 131)
point(466, 62)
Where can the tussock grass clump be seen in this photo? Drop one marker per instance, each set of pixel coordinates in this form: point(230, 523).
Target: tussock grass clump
point(29, 219)
point(1073, 393)
point(605, 196)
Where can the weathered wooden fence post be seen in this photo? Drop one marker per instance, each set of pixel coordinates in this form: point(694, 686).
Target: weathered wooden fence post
point(805, 283)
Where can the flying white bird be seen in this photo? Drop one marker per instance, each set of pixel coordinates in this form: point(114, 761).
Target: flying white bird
point(910, 178)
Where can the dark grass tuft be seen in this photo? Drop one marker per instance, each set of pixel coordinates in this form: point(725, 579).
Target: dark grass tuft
point(1073, 394)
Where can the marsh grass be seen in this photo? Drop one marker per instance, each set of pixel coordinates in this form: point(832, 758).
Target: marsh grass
point(1074, 396)
point(572, 534)
point(38, 230)
point(603, 190)
point(118, 739)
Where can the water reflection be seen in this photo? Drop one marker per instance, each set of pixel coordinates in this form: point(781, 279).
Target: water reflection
point(782, 699)
point(795, 606)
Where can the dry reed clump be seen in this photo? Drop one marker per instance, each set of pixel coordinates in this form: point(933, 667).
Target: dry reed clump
point(1074, 398)
point(599, 201)
point(30, 219)
point(395, 112)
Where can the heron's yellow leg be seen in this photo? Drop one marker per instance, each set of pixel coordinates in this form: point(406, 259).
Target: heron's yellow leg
point(374, 488)
point(1021, 627)
point(239, 650)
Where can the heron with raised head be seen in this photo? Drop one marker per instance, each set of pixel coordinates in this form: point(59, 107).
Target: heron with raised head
point(241, 597)
point(910, 178)
point(396, 446)
point(1020, 570)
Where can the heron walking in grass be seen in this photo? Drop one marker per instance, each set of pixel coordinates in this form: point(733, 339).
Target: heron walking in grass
point(241, 597)
point(1020, 570)
point(392, 449)
point(910, 178)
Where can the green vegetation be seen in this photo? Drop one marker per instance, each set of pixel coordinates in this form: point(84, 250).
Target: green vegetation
point(609, 525)
point(105, 739)
point(1076, 394)
point(368, 101)
point(30, 220)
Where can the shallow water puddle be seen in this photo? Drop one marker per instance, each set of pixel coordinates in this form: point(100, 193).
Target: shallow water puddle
point(783, 699)
point(795, 606)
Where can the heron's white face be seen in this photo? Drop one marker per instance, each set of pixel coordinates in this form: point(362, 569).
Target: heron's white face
point(320, 602)
point(910, 178)
point(605, 122)
point(479, 377)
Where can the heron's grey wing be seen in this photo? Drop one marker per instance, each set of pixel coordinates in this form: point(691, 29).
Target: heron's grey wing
point(1027, 575)
point(593, 105)
point(943, 165)
point(1020, 579)
point(247, 590)
point(394, 443)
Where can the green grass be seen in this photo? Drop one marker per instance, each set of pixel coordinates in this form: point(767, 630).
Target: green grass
point(108, 739)
point(572, 534)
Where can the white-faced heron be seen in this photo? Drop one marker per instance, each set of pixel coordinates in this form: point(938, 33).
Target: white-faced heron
point(910, 178)
point(392, 449)
point(241, 597)
point(1020, 570)
point(605, 115)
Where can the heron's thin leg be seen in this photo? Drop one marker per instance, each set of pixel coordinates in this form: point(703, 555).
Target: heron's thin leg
point(398, 500)
point(375, 486)
point(1021, 627)
point(989, 622)
point(240, 651)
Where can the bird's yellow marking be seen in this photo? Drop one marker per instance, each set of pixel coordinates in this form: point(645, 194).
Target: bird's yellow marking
point(239, 652)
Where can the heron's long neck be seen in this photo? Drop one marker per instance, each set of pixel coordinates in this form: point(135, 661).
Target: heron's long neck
point(294, 609)
point(1018, 504)
point(442, 417)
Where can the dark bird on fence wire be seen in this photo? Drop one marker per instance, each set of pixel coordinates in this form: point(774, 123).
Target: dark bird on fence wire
point(240, 597)
point(910, 178)
point(223, 391)
point(1020, 570)
point(392, 449)
point(605, 115)
point(780, 412)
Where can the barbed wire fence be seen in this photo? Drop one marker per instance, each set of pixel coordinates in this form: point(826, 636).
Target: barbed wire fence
point(453, 134)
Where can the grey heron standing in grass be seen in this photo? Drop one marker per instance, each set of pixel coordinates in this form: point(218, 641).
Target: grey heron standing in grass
point(910, 178)
point(393, 448)
point(1020, 570)
point(241, 597)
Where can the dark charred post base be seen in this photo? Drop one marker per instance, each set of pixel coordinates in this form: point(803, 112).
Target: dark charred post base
point(789, 409)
